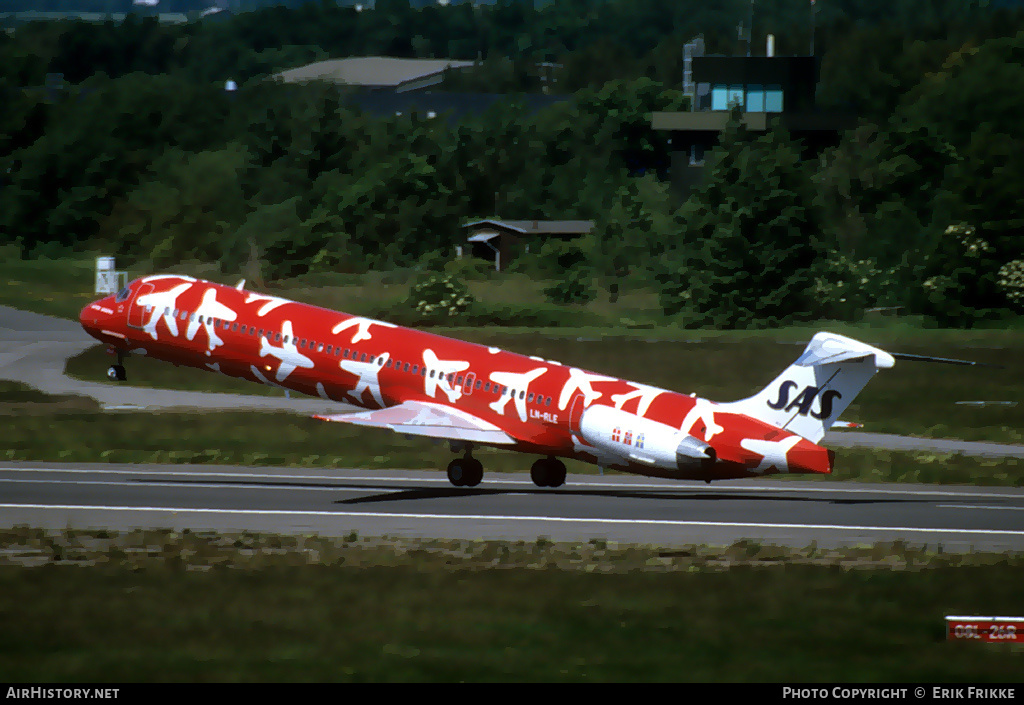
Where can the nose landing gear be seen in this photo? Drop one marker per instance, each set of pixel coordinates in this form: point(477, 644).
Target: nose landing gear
point(116, 373)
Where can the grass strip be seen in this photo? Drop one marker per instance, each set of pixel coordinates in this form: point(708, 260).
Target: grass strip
point(919, 399)
point(165, 606)
point(65, 433)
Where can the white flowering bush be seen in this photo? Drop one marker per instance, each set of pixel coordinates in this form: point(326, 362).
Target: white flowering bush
point(440, 296)
point(1011, 282)
point(958, 278)
point(972, 245)
point(850, 285)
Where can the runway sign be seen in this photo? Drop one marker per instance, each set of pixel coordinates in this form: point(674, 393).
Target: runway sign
point(998, 630)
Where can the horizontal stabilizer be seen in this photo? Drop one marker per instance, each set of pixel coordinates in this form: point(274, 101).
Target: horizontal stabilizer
point(944, 360)
point(432, 420)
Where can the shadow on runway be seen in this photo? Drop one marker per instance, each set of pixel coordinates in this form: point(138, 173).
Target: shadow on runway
point(389, 493)
point(396, 494)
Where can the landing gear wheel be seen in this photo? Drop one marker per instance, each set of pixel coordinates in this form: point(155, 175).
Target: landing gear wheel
point(548, 472)
point(465, 472)
point(474, 472)
point(117, 373)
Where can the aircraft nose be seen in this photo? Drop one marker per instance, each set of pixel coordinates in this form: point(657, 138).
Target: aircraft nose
point(86, 316)
point(93, 315)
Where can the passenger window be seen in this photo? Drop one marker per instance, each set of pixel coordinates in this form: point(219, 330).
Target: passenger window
point(423, 372)
point(547, 401)
point(478, 384)
point(432, 373)
point(530, 398)
point(243, 329)
point(389, 363)
point(459, 380)
point(234, 326)
point(406, 367)
point(363, 358)
point(277, 337)
point(330, 349)
point(286, 339)
point(522, 394)
point(415, 369)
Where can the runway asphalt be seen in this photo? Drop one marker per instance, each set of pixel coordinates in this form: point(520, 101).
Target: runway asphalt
point(421, 504)
point(33, 350)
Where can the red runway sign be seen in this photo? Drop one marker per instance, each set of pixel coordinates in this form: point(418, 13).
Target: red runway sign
point(998, 630)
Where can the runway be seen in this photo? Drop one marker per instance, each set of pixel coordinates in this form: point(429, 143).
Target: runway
point(615, 508)
point(627, 509)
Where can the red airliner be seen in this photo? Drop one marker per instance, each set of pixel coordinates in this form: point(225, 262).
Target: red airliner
point(472, 395)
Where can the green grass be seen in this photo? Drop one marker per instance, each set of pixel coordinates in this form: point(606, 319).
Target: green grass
point(913, 398)
point(157, 606)
point(68, 432)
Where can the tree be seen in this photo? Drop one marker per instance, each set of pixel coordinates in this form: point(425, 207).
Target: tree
point(631, 234)
point(749, 249)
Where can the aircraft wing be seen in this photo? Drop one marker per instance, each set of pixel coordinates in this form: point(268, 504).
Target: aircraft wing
point(424, 419)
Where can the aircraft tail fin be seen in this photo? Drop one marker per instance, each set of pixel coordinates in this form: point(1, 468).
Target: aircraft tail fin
point(808, 397)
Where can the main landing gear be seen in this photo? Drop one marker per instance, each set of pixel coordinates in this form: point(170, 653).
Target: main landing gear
point(548, 472)
point(467, 471)
point(116, 373)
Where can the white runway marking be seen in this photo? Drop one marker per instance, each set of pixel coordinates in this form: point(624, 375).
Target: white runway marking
point(976, 506)
point(522, 519)
point(578, 482)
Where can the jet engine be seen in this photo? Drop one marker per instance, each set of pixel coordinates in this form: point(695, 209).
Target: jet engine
point(651, 443)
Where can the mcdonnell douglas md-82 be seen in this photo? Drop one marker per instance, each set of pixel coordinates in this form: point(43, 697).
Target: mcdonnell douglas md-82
point(472, 395)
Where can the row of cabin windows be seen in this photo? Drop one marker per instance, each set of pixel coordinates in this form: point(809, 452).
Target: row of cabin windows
point(354, 355)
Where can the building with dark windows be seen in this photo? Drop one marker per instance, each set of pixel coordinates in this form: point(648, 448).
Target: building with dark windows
point(767, 89)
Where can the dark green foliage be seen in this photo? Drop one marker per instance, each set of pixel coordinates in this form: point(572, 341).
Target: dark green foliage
point(749, 241)
point(573, 288)
point(138, 149)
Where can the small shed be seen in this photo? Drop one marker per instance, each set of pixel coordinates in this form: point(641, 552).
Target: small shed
point(502, 240)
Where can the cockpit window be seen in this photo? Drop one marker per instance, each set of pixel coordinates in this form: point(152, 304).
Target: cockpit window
point(122, 295)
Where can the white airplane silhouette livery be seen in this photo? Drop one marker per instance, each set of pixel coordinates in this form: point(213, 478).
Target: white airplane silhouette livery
point(647, 395)
point(208, 310)
point(445, 368)
point(703, 410)
point(580, 380)
point(272, 302)
point(288, 354)
point(164, 304)
point(363, 328)
point(368, 377)
point(560, 411)
point(518, 385)
point(774, 453)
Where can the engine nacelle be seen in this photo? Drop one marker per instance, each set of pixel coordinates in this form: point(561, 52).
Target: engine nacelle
point(634, 438)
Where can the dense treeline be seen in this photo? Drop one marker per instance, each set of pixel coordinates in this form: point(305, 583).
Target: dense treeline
point(140, 150)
